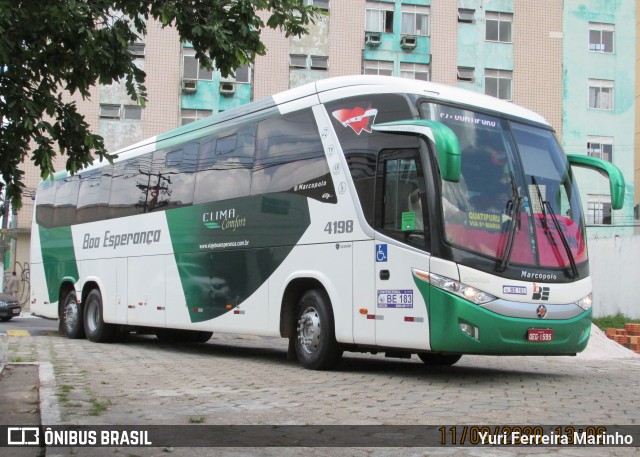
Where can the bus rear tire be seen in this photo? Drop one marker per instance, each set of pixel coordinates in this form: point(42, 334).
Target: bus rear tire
point(72, 317)
point(95, 328)
point(442, 360)
point(315, 341)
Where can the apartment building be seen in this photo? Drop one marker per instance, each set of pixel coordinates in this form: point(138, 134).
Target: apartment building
point(571, 61)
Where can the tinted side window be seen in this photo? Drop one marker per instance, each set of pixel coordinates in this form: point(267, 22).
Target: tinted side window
point(224, 164)
point(46, 200)
point(401, 210)
point(65, 201)
point(352, 119)
point(289, 152)
point(93, 195)
point(129, 186)
point(172, 178)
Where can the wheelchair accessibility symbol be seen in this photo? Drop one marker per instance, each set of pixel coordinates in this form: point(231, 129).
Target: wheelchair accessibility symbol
point(381, 252)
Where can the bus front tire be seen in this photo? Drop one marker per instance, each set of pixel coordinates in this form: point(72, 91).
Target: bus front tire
point(315, 341)
point(432, 359)
point(95, 328)
point(72, 317)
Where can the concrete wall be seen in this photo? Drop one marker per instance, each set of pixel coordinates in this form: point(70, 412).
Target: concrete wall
point(614, 264)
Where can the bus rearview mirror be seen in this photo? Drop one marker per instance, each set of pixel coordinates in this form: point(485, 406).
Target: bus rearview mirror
point(607, 169)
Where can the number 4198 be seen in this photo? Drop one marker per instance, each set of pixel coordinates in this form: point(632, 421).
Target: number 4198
point(338, 227)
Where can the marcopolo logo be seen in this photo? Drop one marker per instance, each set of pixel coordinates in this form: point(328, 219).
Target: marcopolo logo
point(109, 240)
point(223, 219)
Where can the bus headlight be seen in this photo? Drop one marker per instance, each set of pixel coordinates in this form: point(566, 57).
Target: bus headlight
point(472, 294)
point(586, 302)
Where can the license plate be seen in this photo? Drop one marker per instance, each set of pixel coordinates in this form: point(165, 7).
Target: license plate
point(539, 335)
point(16, 310)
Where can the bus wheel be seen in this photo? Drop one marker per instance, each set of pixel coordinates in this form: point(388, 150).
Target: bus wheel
point(433, 359)
point(72, 317)
point(316, 346)
point(94, 325)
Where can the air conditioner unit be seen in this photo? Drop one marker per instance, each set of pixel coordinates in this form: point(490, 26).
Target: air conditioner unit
point(189, 86)
point(227, 88)
point(373, 39)
point(408, 42)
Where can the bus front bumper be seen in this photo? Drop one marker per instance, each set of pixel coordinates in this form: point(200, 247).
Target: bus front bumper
point(459, 326)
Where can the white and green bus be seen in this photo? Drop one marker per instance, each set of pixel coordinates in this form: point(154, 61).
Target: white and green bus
point(364, 213)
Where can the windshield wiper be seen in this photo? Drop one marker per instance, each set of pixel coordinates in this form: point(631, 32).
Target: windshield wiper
point(514, 203)
point(546, 206)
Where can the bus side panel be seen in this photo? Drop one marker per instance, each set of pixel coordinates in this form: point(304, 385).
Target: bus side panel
point(177, 312)
point(364, 329)
point(104, 273)
point(330, 264)
point(146, 291)
point(40, 303)
point(58, 259)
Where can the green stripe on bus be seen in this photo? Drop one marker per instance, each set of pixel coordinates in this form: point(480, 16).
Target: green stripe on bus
point(226, 250)
point(58, 258)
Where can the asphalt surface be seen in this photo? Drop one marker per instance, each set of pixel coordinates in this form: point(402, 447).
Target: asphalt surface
point(236, 379)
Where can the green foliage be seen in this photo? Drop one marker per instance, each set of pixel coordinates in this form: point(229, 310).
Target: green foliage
point(614, 321)
point(72, 45)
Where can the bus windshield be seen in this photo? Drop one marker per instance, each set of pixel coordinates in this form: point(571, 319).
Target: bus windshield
point(516, 200)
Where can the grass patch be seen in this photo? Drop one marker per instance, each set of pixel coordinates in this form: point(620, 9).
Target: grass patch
point(97, 407)
point(63, 393)
point(197, 420)
point(614, 321)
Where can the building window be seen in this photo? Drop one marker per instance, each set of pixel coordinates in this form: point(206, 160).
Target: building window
point(600, 37)
point(109, 111)
point(466, 16)
point(191, 68)
point(414, 71)
point(322, 4)
point(319, 62)
point(497, 83)
point(600, 147)
point(188, 116)
point(379, 17)
point(132, 112)
point(298, 60)
point(242, 75)
point(415, 20)
point(499, 27)
point(118, 112)
point(600, 94)
point(137, 50)
point(466, 74)
point(378, 67)
point(598, 213)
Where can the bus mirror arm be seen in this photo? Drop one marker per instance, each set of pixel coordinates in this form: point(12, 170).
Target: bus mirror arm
point(607, 169)
point(445, 140)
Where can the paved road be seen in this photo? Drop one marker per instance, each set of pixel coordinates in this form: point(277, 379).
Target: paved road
point(247, 380)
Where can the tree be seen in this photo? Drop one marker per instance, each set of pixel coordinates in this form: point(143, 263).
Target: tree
point(72, 45)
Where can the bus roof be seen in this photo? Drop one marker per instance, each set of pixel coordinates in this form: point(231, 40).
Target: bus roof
point(322, 89)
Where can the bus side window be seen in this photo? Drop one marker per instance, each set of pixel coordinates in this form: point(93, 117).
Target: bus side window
point(128, 192)
point(401, 211)
point(172, 180)
point(66, 200)
point(93, 195)
point(224, 165)
point(289, 152)
point(46, 200)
